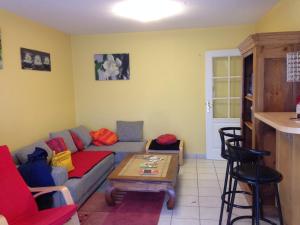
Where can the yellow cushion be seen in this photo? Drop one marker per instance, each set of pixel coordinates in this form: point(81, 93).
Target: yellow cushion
point(62, 159)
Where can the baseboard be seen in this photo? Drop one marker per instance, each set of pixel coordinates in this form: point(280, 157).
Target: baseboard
point(194, 155)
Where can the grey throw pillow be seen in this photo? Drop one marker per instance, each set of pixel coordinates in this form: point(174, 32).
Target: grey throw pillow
point(130, 130)
point(65, 134)
point(22, 153)
point(84, 134)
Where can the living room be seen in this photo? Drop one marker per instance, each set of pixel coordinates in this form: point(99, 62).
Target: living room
point(166, 89)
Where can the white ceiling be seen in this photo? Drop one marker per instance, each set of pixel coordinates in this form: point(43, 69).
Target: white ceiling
point(94, 16)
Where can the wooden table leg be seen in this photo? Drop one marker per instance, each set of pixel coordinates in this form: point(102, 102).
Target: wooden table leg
point(108, 195)
point(172, 197)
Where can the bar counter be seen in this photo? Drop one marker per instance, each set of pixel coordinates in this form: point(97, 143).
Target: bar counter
point(287, 160)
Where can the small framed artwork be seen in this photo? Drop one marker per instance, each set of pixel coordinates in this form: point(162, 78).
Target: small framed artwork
point(35, 60)
point(1, 60)
point(112, 66)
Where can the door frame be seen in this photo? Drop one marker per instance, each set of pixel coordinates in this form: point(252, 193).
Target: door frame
point(209, 55)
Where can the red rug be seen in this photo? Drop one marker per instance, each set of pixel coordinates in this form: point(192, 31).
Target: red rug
point(132, 208)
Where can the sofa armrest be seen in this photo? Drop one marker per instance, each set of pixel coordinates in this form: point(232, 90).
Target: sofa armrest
point(60, 175)
point(3, 221)
point(44, 190)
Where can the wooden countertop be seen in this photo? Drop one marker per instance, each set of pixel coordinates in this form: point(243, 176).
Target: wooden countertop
point(280, 121)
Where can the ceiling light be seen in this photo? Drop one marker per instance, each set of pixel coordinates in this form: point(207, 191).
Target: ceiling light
point(147, 10)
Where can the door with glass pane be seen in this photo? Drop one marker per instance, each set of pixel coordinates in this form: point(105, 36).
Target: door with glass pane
point(223, 96)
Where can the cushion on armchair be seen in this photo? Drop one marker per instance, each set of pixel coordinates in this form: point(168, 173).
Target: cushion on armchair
point(130, 130)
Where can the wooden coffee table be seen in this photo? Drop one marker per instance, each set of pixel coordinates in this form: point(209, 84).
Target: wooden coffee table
point(127, 177)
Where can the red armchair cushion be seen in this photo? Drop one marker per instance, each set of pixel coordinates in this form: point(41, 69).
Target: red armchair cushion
point(78, 142)
point(57, 144)
point(166, 139)
point(54, 216)
point(16, 199)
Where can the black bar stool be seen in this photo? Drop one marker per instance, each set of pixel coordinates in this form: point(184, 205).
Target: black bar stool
point(254, 174)
point(226, 133)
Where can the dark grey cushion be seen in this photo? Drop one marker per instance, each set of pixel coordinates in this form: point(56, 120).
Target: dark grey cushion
point(130, 130)
point(22, 153)
point(65, 134)
point(84, 134)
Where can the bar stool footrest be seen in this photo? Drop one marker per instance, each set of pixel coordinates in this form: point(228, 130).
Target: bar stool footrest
point(223, 197)
point(250, 217)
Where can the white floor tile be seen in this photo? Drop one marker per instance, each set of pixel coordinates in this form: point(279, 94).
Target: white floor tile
point(183, 212)
point(209, 222)
point(206, 176)
point(207, 183)
point(206, 170)
point(209, 191)
point(209, 213)
point(220, 169)
point(187, 182)
point(181, 190)
point(205, 201)
point(187, 175)
point(164, 221)
point(187, 200)
point(185, 222)
point(188, 169)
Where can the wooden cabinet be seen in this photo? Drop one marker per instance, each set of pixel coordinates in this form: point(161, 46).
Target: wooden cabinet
point(265, 88)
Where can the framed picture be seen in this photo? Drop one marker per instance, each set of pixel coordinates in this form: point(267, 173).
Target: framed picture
point(112, 66)
point(1, 60)
point(35, 60)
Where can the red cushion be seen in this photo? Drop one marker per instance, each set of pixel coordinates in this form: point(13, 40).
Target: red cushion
point(78, 142)
point(85, 161)
point(54, 216)
point(15, 198)
point(57, 144)
point(166, 139)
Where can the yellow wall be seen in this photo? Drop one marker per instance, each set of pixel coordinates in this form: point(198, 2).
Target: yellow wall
point(32, 102)
point(282, 17)
point(167, 85)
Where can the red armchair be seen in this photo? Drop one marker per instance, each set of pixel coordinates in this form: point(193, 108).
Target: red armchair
point(17, 204)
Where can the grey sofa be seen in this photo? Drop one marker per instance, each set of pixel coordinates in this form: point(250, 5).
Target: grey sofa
point(82, 188)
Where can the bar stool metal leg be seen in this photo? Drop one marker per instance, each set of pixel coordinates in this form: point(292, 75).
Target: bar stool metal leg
point(278, 204)
point(257, 206)
point(224, 191)
point(231, 202)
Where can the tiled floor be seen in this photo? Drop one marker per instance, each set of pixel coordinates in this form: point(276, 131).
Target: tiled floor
point(198, 195)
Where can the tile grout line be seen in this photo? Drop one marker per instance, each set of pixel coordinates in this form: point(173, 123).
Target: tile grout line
point(198, 191)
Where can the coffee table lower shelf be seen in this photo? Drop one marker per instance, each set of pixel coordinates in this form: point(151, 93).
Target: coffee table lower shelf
point(141, 186)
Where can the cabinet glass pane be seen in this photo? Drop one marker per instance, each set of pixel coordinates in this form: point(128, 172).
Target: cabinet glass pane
point(236, 66)
point(220, 66)
point(235, 87)
point(235, 109)
point(220, 88)
point(220, 108)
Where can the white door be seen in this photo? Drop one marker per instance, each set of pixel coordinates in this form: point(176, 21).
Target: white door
point(223, 95)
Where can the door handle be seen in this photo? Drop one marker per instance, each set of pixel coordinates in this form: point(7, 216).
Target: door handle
point(208, 106)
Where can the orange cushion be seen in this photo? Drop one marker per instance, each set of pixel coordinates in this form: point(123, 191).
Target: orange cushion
point(104, 137)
